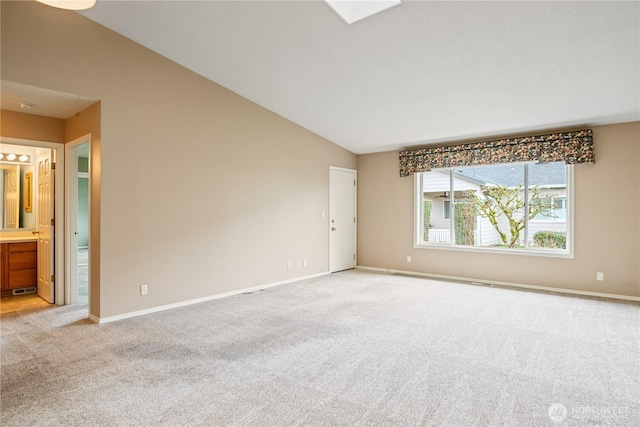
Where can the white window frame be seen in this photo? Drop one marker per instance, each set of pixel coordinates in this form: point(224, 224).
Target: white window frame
point(527, 251)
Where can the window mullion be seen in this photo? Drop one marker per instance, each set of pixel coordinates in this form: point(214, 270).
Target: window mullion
point(419, 197)
point(526, 205)
point(452, 231)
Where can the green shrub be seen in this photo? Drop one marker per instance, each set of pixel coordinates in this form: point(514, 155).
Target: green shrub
point(427, 219)
point(465, 222)
point(551, 239)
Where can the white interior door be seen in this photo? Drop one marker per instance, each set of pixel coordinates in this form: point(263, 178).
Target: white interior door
point(342, 219)
point(45, 228)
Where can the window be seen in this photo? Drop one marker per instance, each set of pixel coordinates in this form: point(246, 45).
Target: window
point(511, 207)
point(447, 209)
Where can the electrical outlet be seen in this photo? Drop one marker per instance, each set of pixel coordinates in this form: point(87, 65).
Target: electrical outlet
point(408, 258)
point(289, 265)
point(144, 290)
point(600, 276)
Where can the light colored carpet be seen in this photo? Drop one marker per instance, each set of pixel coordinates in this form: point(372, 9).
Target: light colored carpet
point(352, 348)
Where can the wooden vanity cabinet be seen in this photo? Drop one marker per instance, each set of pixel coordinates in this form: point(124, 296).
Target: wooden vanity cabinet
point(4, 266)
point(19, 262)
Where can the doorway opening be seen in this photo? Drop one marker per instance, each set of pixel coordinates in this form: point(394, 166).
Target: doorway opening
point(33, 247)
point(78, 154)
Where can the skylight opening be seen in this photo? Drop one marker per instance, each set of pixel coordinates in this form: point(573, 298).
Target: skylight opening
point(355, 10)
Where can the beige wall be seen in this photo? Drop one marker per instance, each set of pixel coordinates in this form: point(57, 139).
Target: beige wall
point(607, 225)
point(88, 122)
point(202, 191)
point(31, 126)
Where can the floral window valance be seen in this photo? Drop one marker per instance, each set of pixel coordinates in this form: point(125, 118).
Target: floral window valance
point(570, 147)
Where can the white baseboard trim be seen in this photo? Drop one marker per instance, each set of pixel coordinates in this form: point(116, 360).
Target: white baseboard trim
point(199, 300)
point(503, 284)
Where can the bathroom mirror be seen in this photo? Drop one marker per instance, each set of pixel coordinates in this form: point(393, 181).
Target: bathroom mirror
point(17, 206)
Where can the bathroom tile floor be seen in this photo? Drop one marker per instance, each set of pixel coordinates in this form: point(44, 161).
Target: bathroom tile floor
point(22, 302)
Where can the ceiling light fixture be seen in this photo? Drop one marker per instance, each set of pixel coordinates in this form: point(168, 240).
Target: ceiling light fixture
point(70, 4)
point(14, 158)
point(354, 10)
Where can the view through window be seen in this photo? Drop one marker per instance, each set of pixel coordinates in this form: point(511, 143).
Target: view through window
point(485, 206)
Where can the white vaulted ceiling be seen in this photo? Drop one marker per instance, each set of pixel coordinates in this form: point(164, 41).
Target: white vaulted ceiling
point(418, 73)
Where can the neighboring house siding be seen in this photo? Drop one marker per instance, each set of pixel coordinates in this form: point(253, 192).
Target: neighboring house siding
point(487, 234)
point(438, 182)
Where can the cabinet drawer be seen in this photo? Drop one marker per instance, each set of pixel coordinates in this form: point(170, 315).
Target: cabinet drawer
point(22, 260)
point(23, 247)
point(23, 278)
